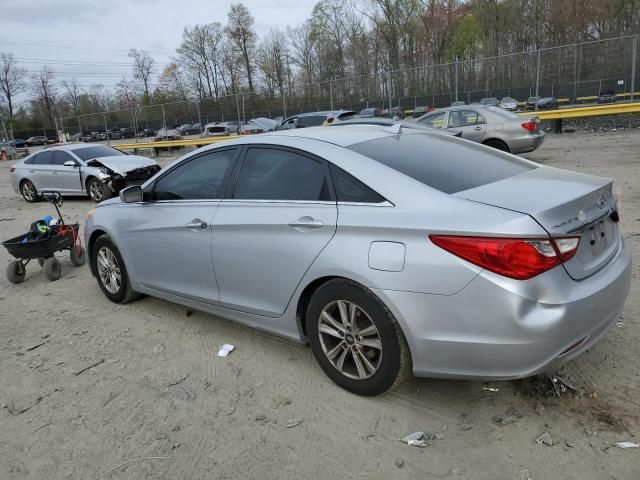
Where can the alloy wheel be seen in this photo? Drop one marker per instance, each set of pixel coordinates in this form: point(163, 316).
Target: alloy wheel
point(350, 340)
point(95, 191)
point(109, 270)
point(28, 191)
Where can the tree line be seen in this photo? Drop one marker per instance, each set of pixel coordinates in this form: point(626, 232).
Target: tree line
point(347, 49)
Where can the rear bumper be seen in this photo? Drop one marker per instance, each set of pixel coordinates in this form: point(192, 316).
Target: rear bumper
point(526, 143)
point(497, 328)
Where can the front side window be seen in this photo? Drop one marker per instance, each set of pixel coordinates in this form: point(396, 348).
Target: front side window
point(462, 118)
point(202, 178)
point(434, 121)
point(60, 157)
point(274, 174)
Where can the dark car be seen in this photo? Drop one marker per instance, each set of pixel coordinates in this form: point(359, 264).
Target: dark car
point(607, 96)
point(37, 140)
point(370, 113)
point(315, 119)
point(548, 103)
point(147, 132)
point(115, 134)
point(490, 101)
point(531, 103)
point(18, 143)
point(127, 132)
point(190, 129)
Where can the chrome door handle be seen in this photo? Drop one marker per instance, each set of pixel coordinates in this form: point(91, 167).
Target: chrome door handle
point(196, 223)
point(478, 128)
point(54, 172)
point(31, 171)
point(306, 222)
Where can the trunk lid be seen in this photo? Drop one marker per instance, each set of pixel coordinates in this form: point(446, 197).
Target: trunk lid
point(565, 204)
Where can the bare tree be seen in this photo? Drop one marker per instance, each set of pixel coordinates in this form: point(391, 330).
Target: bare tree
point(142, 69)
point(101, 95)
point(272, 61)
point(45, 92)
point(240, 32)
point(12, 80)
point(173, 83)
point(72, 94)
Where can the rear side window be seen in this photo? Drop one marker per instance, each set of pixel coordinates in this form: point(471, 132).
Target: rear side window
point(202, 178)
point(350, 189)
point(44, 158)
point(274, 174)
point(440, 162)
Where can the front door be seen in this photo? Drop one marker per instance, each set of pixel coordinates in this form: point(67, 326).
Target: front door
point(65, 179)
point(170, 235)
point(280, 217)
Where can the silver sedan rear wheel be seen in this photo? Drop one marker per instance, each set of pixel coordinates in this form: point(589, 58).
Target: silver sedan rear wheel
point(350, 340)
point(109, 270)
point(28, 191)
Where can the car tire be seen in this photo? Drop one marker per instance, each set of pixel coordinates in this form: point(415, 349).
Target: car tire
point(498, 145)
point(29, 192)
point(368, 364)
point(117, 289)
point(77, 255)
point(16, 272)
point(52, 269)
point(97, 190)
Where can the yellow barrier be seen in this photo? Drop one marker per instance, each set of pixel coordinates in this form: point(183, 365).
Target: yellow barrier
point(609, 109)
point(191, 142)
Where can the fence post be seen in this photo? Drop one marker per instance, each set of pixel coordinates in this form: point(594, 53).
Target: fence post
point(537, 81)
point(634, 51)
point(575, 73)
point(200, 118)
point(331, 93)
point(389, 92)
point(456, 75)
point(80, 127)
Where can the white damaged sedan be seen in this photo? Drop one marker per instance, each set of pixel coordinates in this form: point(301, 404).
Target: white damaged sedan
point(98, 171)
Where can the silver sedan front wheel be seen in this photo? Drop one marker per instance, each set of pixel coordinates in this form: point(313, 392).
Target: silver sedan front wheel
point(96, 190)
point(350, 339)
point(109, 270)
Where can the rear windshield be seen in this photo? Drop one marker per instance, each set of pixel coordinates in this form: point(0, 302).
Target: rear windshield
point(89, 153)
point(503, 113)
point(443, 163)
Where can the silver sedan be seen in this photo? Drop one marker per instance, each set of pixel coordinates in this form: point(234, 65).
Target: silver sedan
point(98, 171)
point(492, 126)
point(387, 251)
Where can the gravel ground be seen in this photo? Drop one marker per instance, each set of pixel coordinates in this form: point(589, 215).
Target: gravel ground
point(159, 403)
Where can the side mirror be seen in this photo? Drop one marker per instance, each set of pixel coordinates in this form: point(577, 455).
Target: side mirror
point(131, 194)
point(70, 163)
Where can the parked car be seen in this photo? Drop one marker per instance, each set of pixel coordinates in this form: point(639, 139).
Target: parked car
point(392, 251)
point(370, 113)
point(115, 134)
point(127, 132)
point(147, 132)
point(37, 140)
point(101, 136)
point(190, 129)
point(548, 103)
point(531, 103)
point(606, 96)
point(417, 111)
point(220, 129)
point(490, 101)
point(258, 125)
point(18, 143)
point(397, 113)
point(165, 135)
point(457, 103)
point(509, 103)
point(490, 126)
point(315, 119)
point(98, 171)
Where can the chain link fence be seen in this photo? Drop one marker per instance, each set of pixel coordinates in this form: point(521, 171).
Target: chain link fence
point(574, 74)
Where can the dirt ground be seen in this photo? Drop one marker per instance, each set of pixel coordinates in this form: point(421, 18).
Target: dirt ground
point(161, 404)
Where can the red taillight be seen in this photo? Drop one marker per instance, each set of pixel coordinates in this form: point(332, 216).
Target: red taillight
point(530, 126)
point(512, 257)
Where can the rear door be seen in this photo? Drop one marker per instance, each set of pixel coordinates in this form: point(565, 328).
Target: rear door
point(280, 215)
point(170, 235)
point(472, 125)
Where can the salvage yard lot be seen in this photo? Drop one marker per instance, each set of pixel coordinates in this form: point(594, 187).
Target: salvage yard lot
point(160, 403)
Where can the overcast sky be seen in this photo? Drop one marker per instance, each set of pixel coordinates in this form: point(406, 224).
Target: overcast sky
point(93, 35)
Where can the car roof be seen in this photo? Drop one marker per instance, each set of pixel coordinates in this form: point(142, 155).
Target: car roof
point(342, 137)
point(71, 146)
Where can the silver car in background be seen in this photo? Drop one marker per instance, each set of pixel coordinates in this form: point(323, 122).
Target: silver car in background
point(490, 126)
point(98, 171)
point(388, 251)
point(509, 103)
point(220, 129)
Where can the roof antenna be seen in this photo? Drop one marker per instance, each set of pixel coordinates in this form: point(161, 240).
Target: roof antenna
point(394, 128)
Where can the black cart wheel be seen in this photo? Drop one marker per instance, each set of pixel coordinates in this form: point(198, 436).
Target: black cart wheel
point(41, 261)
point(77, 255)
point(28, 191)
point(16, 272)
point(52, 268)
